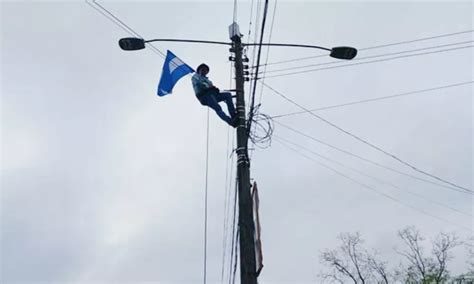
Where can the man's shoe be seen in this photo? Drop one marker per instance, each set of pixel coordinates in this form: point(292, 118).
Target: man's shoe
point(235, 121)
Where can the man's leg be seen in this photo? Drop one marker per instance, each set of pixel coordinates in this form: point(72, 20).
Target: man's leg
point(210, 101)
point(227, 98)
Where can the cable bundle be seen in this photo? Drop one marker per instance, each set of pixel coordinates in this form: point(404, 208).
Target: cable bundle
point(261, 132)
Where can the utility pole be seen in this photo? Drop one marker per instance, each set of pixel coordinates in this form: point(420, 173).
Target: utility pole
point(248, 274)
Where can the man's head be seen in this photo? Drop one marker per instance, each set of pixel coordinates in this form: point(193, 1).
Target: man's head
point(202, 69)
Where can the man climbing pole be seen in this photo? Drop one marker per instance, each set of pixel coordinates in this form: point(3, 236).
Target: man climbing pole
point(209, 95)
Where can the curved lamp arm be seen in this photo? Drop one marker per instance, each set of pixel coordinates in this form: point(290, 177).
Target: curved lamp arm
point(340, 52)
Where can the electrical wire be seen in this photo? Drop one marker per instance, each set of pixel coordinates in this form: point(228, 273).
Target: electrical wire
point(205, 199)
point(368, 143)
point(373, 178)
point(373, 189)
point(226, 198)
point(367, 57)
point(129, 30)
point(419, 39)
point(378, 46)
point(378, 98)
point(234, 235)
point(252, 130)
point(229, 207)
point(261, 133)
point(252, 83)
point(226, 195)
point(250, 22)
point(257, 22)
point(236, 254)
point(252, 101)
point(368, 160)
point(367, 62)
point(122, 25)
point(109, 15)
point(268, 50)
point(257, 125)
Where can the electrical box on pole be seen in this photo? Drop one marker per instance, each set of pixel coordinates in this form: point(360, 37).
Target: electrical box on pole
point(234, 30)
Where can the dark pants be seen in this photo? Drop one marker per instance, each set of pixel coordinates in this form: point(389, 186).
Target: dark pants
point(212, 98)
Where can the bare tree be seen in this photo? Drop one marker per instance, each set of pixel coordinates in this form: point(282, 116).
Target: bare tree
point(442, 246)
point(470, 252)
point(422, 268)
point(418, 267)
point(350, 261)
point(379, 268)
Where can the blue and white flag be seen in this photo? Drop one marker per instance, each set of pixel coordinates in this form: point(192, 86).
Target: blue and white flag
point(173, 70)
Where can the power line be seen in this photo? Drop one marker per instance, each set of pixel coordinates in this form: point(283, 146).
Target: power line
point(377, 98)
point(205, 199)
point(261, 133)
point(234, 213)
point(368, 57)
point(250, 22)
point(229, 207)
point(109, 17)
point(236, 254)
point(253, 53)
point(234, 237)
point(257, 18)
point(255, 37)
point(378, 46)
point(367, 142)
point(268, 49)
point(228, 192)
point(131, 31)
point(374, 189)
point(226, 196)
point(122, 25)
point(372, 177)
point(368, 160)
point(261, 116)
point(417, 40)
point(252, 101)
point(368, 62)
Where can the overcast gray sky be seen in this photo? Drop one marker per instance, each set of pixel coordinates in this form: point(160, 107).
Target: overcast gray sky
point(103, 182)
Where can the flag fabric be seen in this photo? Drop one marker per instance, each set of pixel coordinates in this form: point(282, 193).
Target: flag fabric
point(173, 70)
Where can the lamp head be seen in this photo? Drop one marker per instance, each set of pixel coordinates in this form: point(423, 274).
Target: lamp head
point(131, 43)
point(343, 52)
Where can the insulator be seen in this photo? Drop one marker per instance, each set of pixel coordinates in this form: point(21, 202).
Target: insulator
point(246, 73)
point(246, 79)
point(246, 67)
point(232, 50)
point(245, 59)
point(231, 58)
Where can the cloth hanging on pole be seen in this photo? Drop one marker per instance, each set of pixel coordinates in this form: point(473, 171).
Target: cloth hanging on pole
point(258, 231)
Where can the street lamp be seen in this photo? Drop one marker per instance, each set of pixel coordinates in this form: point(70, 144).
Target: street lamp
point(340, 52)
point(248, 273)
point(131, 43)
point(343, 52)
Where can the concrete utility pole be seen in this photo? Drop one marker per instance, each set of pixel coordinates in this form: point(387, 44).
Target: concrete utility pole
point(248, 274)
